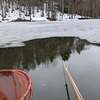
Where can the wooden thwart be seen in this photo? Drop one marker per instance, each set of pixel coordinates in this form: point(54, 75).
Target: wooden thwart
point(73, 84)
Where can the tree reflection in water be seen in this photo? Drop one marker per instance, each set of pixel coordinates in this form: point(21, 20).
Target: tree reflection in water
point(41, 51)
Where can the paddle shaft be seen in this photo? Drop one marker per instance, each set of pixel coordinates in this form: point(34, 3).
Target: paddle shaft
point(73, 85)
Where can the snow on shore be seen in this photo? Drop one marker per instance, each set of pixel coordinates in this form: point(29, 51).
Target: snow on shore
point(12, 34)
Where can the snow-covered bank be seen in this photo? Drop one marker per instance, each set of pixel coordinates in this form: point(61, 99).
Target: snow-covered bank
point(14, 33)
point(37, 17)
point(12, 16)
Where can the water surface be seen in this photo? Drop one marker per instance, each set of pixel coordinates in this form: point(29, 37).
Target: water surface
point(43, 59)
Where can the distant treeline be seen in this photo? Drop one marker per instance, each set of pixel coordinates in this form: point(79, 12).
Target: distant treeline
point(86, 8)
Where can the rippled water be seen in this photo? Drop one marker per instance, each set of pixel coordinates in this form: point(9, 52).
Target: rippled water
point(43, 59)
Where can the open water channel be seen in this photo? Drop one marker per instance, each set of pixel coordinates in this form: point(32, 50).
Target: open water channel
point(43, 60)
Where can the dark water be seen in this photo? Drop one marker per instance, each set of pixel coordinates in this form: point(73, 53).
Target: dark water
point(43, 58)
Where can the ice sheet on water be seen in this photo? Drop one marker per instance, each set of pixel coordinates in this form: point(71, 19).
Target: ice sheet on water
point(21, 31)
